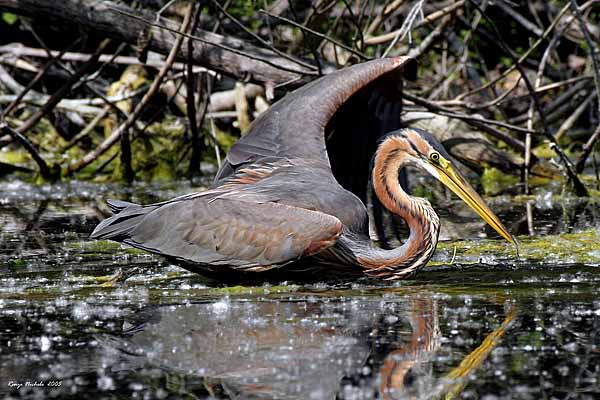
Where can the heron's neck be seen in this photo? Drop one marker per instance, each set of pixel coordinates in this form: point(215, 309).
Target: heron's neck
point(422, 221)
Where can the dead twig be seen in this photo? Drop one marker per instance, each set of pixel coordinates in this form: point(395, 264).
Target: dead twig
point(521, 59)
point(81, 106)
point(45, 171)
point(260, 40)
point(191, 84)
point(228, 55)
point(587, 148)
point(215, 44)
point(407, 26)
point(87, 129)
point(425, 21)
point(356, 22)
point(111, 140)
point(580, 189)
point(32, 83)
point(504, 96)
point(481, 123)
point(465, 54)
point(60, 93)
point(429, 39)
point(530, 26)
point(538, 81)
point(569, 122)
point(11, 51)
point(381, 17)
point(318, 34)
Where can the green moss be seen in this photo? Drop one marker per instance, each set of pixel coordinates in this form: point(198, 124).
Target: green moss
point(424, 192)
point(9, 18)
point(169, 127)
point(14, 157)
point(225, 140)
point(95, 246)
point(538, 181)
point(495, 181)
point(543, 151)
point(156, 156)
point(594, 194)
point(102, 247)
point(249, 290)
point(581, 247)
point(16, 263)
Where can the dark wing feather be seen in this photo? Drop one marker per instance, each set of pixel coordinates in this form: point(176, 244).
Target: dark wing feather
point(119, 205)
point(354, 132)
point(353, 135)
point(119, 226)
point(294, 127)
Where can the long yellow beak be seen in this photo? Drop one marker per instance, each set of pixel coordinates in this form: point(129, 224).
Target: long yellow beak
point(454, 180)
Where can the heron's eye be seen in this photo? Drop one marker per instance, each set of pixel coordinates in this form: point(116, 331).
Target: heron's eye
point(435, 157)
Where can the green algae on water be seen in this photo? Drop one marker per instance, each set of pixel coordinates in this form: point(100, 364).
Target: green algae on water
point(568, 248)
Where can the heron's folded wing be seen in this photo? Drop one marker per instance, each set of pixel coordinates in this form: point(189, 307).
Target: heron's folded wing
point(237, 233)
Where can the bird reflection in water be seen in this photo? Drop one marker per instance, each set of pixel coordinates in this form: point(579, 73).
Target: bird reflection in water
point(406, 371)
point(297, 350)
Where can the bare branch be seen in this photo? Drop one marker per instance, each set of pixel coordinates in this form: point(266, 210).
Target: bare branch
point(230, 56)
point(114, 136)
point(60, 93)
point(318, 34)
point(45, 171)
point(427, 20)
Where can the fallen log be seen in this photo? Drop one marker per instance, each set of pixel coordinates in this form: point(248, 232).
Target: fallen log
point(230, 56)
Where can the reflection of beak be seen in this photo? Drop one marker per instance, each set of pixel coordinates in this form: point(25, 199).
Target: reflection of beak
point(454, 180)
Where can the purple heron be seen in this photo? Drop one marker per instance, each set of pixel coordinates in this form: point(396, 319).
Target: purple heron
point(294, 192)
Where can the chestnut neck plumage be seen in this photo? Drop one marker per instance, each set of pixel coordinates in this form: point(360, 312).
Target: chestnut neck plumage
point(422, 220)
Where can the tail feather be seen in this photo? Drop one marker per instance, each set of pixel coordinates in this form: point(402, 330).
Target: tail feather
point(119, 226)
point(116, 206)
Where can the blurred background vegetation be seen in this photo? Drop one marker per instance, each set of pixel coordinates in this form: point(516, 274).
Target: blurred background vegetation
point(107, 90)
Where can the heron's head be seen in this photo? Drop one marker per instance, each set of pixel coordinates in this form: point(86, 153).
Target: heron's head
point(421, 149)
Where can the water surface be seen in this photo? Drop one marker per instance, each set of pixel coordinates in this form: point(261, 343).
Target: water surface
point(86, 319)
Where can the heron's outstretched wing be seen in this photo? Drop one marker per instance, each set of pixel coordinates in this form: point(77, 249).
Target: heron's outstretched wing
point(352, 137)
point(239, 224)
point(294, 127)
point(336, 120)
